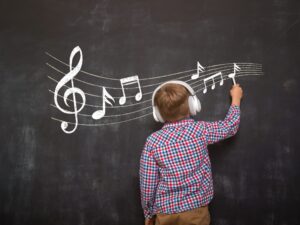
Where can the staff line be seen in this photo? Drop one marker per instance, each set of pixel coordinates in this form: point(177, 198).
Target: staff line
point(148, 85)
point(244, 75)
point(116, 88)
point(138, 103)
point(97, 106)
point(150, 78)
point(103, 124)
point(116, 115)
point(147, 93)
point(123, 121)
point(132, 88)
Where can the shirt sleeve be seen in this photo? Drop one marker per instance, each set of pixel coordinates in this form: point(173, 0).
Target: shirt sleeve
point(149, 177)
point(219, 130)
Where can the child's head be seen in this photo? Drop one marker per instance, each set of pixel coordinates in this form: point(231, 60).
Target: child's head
point(172, 102)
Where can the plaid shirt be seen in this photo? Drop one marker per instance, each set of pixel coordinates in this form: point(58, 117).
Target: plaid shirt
point(175, 170)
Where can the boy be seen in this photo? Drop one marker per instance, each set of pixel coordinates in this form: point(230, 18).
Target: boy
point(175, 171)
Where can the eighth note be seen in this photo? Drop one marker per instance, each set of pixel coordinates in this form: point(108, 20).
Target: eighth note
point(128, 81)
point(199, 69)
point(232, 75)
point(213, 79)
point(105, 99)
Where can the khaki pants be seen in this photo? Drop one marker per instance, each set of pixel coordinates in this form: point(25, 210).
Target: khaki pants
point(198, 216)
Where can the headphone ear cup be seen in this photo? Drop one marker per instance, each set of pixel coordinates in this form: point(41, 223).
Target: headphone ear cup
point(198, 104)
point(194, 105)
point(156, 115)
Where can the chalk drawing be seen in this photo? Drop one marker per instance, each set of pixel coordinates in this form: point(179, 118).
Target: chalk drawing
point(106, 98)
point(139, 117)
point(128, 81)
point(232, 75)
point(219, 74)
point(252, 72)
point(70, 91)
point(81, 108)
point(199, 69)
point(216, 68)
point(209, 72)
point(171, 75)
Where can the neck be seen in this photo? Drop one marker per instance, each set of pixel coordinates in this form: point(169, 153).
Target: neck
point(179, 118)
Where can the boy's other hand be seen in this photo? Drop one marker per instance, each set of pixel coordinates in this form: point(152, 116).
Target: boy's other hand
point(236, 93)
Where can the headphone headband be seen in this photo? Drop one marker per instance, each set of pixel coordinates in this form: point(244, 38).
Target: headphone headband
point(187, 86)
point(194, 103)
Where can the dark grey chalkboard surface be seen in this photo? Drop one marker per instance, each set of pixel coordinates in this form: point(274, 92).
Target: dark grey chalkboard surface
point(91, 176)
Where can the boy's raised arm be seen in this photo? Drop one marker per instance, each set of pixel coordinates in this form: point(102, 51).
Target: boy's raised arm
point(219, 130)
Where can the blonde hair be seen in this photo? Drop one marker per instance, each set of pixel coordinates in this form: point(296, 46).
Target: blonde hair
point(172, 102)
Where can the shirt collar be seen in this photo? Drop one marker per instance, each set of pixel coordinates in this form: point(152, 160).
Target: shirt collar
point(178, 123)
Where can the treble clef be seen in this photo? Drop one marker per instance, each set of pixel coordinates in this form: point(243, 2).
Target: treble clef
point(70, 91)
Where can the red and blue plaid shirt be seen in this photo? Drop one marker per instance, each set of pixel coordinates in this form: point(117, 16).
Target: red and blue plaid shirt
point(175, 169)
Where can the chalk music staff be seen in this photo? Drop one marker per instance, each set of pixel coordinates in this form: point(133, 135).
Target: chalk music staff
point(70, 91)
point(129, 81)
point(71, 100)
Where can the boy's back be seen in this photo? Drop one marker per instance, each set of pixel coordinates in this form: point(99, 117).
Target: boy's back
point(175, 170)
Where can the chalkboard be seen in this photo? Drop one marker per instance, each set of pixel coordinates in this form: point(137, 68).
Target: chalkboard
point(90, 175)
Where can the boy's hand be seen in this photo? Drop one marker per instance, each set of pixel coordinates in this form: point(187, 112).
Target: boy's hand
point(236, 93)
point(149, 221)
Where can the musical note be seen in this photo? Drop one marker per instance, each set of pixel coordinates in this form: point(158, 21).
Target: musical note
point(128, 81)
point(213, 79)
point(70, 91)
point(232, 75)
point(105, 99)
point(199, 69)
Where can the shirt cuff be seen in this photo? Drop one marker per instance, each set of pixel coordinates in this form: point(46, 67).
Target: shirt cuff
point(235, 108)
point(147, 214)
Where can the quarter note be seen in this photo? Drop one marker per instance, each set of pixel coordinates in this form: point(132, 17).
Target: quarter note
point(232, 75)
point(128, 81)
point(70, 91)
point(106, 97)
point(213, 79)
point(199, 69)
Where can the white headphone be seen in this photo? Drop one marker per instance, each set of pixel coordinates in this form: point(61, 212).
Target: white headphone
point(194, 102)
